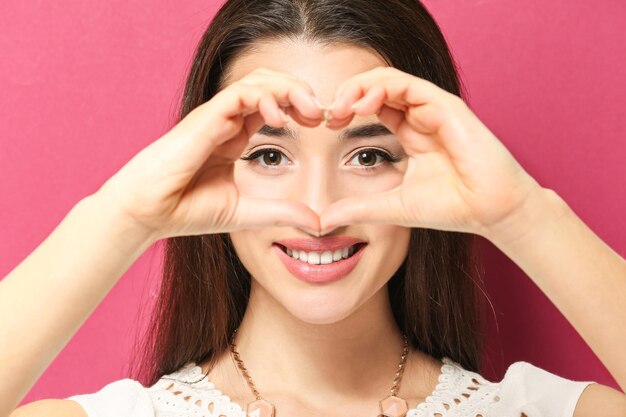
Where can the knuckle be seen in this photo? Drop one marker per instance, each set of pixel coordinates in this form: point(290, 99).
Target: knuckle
point(263, 81)
point(389, 71)
point(456, 100)
point(245, 88)
point(263, 70)
point(246, 82)
point(245, 85)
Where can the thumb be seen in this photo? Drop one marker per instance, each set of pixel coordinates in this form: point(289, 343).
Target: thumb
point(385, 207)
point(253, 212)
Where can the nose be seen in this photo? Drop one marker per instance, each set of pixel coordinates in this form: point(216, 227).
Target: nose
point(318, 186)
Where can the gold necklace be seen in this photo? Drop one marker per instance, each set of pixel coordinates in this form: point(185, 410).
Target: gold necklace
point(390, 406)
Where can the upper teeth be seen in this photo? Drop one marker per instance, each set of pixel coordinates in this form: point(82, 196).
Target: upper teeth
point(316, 258)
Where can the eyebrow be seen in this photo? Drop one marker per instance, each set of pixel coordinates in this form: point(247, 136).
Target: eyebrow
point(368, 130)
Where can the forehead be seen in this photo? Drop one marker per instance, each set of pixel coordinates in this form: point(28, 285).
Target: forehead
point(323, 67)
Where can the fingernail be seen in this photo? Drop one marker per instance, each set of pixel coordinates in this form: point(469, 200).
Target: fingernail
point(330, 108)
point(356, 103)
point(326, 230)
point(311, 231)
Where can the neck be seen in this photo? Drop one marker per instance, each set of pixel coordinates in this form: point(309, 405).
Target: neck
point(356, 357)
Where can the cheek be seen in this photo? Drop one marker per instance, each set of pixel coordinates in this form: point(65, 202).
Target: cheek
point(379, 182)
point(252, 183)
point(254, 250)
point(392, 244)
point(247, 244)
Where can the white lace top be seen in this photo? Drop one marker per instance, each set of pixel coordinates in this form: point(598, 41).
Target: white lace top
point(525, 391)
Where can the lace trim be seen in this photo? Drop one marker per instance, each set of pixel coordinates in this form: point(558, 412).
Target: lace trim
point(458, 393)
point(199, 396)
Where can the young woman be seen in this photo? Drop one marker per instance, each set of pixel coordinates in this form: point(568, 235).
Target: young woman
point(318, 263)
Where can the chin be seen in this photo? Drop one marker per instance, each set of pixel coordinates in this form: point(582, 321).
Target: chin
point(319, 306)
point(319, 303)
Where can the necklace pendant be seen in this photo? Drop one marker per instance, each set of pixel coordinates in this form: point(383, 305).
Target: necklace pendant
point(393, 406)
point(260, 408)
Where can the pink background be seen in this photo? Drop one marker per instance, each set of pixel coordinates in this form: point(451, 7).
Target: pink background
point(87, 85)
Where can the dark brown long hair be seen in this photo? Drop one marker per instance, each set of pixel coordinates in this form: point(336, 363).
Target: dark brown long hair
point(205, 288)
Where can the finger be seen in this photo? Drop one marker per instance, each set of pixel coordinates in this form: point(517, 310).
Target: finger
point(294, 96)
point(300, 119)
point(209, 125)
point(219, 117)
point(365, 103)
point(394, 82)
point(333, 123)
point(430, 110)
point(215, 122)
point(371, 99)
point(369, 102)
point(390, 117)
point(400, 90)
point(269, 113)
point(262, 212)
point(308, 105)
point(380, 208)
point(284, 75)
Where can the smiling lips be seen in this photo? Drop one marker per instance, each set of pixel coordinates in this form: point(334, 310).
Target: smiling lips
point(320, 260)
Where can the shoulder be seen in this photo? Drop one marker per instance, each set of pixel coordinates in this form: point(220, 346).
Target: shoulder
point(525, 389)
point(124, 397)
point(50, 408)
point(537, 390)
point(186, 391)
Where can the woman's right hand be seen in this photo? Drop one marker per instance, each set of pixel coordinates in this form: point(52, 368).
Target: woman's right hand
point(183, 183)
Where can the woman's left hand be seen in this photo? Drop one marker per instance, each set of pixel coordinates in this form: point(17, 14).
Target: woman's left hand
point(459, 177)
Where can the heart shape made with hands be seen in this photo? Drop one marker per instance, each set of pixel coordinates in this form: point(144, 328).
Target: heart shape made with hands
point(339, 114)
point(458, 176)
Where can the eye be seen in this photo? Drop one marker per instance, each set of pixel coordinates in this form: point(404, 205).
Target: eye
point(367, 158)
point(268, 157)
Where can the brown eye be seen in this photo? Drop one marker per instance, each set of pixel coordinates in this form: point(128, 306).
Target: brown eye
point(267, 158)
point(271, 158)
point(372, 158)
point(367, 158)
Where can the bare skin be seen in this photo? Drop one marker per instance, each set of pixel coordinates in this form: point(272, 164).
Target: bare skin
point(419, 380)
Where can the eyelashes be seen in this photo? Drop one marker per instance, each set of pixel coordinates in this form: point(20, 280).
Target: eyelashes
point(273, 154)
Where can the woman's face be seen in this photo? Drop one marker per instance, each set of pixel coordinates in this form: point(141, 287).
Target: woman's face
point(317, 167)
